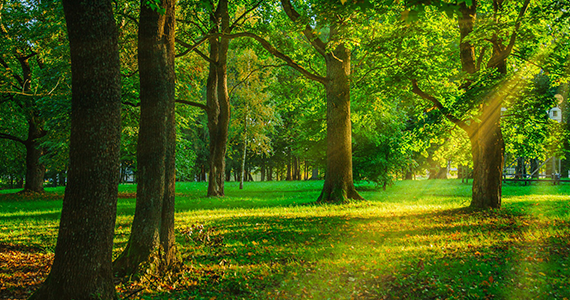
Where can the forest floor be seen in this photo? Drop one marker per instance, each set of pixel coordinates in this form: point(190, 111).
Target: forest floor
point(416, 240)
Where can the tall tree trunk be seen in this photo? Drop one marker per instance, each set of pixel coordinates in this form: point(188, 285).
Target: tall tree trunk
point(167, 236)
point(156, 95)
point(217, 149)
point(82, 266)
point(219, 101)
point(339, 185)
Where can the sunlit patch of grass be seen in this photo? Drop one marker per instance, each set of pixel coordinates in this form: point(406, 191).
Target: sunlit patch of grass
point(415, 240)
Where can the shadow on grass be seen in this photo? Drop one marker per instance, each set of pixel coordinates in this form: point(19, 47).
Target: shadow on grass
point(459, 253)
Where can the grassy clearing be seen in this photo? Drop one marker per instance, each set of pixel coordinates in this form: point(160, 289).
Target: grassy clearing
point(416, 240)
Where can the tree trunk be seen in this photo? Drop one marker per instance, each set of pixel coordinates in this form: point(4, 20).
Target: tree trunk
point(289, 167)
point(82, 266)
point(339, 185)
point(156, 94)
point(534, 168)
point(315, 173)
point(487, 148)
point(218, 103)
point(35, 171)
point(167, 236)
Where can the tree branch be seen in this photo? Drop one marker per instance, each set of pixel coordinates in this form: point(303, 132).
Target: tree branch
point(265, 44)
point(244, 14)
point(418, 91)
point(129, 17)
point(11, 137)
point(507, 51)
point(131, 104)
point(192, 103)
point(251, 73)
point(315, 41)
point(7, 67)
point(191, 47)
point(205, 57)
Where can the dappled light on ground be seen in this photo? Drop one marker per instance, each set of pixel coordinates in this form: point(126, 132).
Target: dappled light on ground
point(415, 240)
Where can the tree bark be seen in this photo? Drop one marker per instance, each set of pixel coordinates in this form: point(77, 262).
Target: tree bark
point(156, 71)
point(218, 103)
point(487, 148)
point(339, 185)
point(167, 236)
point(35, 171)
point(82, 266)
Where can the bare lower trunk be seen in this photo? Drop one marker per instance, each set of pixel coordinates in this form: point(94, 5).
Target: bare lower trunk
point(487, 148)
point(339, 185)
point(35, 171)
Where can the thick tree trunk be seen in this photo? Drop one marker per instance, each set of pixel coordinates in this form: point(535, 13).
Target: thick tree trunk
point(487, 148)
point(156, 94)
point(339, 185)
point(82, 266)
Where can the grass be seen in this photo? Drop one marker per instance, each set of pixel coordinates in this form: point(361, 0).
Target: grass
point(417, 240)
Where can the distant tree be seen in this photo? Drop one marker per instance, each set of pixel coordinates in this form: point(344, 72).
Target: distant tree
point(33, 72)
point(218, 21)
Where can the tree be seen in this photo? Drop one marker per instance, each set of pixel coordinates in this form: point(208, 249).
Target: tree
point(154, 214)
point(254, 117)
point(217, 105)
point(32, 73)
point(82, 266)
point(336, 54)
point(476, 84)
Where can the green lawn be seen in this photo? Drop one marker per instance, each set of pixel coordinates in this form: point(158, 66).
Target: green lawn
point(416, 240)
